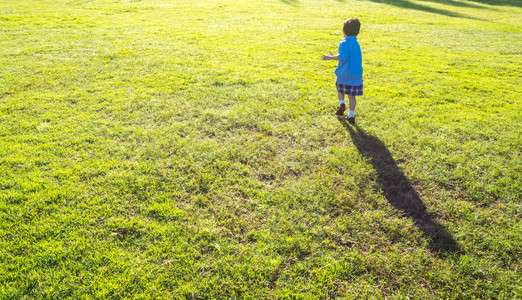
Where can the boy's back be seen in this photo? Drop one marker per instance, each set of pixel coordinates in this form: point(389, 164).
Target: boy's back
point(349, 69)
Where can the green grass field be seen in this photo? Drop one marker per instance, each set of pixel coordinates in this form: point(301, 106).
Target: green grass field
point(189, 149)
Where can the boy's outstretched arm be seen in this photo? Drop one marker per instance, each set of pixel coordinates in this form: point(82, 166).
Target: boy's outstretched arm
point(330, 57)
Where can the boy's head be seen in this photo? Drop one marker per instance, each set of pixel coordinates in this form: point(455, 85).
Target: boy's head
point(351, 27)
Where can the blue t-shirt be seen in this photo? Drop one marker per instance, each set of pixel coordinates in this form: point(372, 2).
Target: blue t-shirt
point(349, 69)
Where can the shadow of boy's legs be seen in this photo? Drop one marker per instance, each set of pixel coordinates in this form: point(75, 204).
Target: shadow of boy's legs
point(398, 190)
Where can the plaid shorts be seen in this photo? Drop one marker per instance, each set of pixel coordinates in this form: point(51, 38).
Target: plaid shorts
point(349, 90)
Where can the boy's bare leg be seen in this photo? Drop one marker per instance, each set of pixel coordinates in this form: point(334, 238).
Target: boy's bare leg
point(352, 102)
point(341, 96)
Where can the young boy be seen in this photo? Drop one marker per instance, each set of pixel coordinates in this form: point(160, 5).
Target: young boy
point(349, 68)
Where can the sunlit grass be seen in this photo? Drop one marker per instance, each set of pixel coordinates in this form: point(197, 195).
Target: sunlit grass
point(181, 149)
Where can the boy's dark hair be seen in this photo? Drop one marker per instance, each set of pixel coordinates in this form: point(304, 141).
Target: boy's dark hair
point(351, 27)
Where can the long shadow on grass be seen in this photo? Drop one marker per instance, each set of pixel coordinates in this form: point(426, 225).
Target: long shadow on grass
point(516, 3)
point(417, 6)
point(399, 191)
